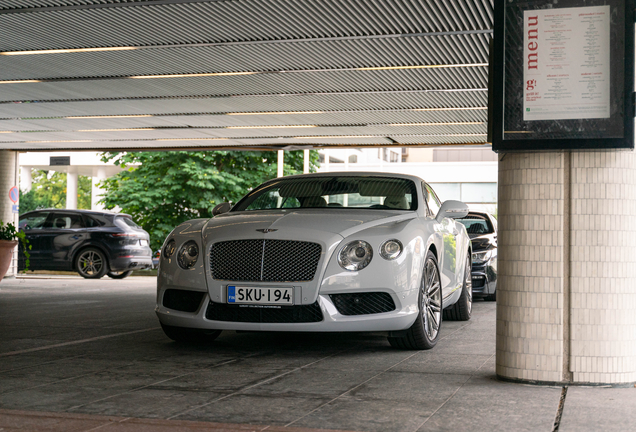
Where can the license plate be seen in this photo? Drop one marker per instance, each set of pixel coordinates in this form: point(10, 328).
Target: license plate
point(143, 242)
point(254, 295)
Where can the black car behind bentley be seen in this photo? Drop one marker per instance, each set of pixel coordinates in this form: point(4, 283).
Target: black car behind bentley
point(482, 230)
point(90, 242)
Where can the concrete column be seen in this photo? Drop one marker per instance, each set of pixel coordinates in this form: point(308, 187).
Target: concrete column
point(96, 191)
point(281, 162)
point(8, 179)
point(566, 293)
point(305, 161)
point(26, 180)
point(71, 190)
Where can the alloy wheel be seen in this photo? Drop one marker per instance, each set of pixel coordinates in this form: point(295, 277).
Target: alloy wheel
point(90, 263)
point(468, 285)
point(431, 306)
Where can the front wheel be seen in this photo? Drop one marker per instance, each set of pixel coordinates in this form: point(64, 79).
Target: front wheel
point(424, 332)
point(462, 310)
point(119, 275)
point(91, 263)
point(190, 335)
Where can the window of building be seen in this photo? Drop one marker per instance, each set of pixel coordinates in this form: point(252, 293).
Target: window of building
point(353, 159)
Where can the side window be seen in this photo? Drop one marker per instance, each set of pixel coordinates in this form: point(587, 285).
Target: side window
point(431, 199)
point(91, 223)
point(33, 221)
point(67, 221)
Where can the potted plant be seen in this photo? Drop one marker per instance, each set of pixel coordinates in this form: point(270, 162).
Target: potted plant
point(9, 238)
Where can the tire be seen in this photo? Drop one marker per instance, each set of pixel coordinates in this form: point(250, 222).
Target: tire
point(190, 335)
point(424, 332)
point(491, 297)
point(119, 275)
point(91, 263)
point(462, 310)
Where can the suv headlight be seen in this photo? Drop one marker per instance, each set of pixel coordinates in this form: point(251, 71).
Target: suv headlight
point(355, 256)
point(169, 248)
point(188, 254)
point(391, 249)
point(482, 256)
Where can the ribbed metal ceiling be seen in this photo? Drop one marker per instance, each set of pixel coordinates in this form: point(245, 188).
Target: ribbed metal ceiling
point(253, 73)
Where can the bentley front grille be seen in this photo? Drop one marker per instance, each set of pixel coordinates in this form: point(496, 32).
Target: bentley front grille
point(363, 303)
point(264, 314)
point(264, 260)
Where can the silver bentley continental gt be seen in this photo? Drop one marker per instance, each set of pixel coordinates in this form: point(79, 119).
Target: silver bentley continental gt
point(328, 252)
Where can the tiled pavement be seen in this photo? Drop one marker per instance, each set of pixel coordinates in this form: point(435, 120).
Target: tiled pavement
point(89, 355)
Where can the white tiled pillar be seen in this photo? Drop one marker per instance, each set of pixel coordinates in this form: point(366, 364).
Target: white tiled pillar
point(96, 191)
point(71, 190)
point(8, 179)
point(566, 300)
point(603, 277)
point(26, 179)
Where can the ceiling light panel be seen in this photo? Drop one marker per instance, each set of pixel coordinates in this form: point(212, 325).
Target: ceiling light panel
point(258, 57)
point(220, 120)
point(416, 79)
point(216, 21)
point(310, 102)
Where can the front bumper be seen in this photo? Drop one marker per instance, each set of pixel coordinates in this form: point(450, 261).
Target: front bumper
point(131, 263)
point(332, 321)
point(484, 279)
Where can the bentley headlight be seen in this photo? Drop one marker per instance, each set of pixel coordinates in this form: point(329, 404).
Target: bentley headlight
point(169, 248)
point(482, 256)
point(355, 255)
point(188, 254)
point(391, 249)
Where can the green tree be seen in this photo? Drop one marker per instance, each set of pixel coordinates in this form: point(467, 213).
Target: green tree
point(48, 190)
point(162, 189)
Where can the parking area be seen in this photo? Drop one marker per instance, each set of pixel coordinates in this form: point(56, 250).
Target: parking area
point(86, 355)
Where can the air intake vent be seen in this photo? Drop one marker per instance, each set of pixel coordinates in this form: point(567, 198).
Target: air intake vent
point(363, 303)
point(182, 300)
point(260, 314)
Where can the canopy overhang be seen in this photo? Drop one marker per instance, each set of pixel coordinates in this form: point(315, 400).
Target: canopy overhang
point(242, 74)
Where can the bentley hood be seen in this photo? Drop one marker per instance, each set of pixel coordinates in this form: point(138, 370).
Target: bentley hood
point(307, 224)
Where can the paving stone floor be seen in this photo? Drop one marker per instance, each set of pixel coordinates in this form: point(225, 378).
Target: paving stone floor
point(81, 354)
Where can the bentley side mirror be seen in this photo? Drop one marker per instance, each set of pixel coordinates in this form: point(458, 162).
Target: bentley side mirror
point(452, 209)
point(221, 208)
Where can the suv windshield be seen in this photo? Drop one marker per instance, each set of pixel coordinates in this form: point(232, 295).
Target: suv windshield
point(363, 192)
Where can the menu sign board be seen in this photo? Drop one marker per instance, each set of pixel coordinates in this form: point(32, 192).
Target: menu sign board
point(567, 63)
point(562, 75)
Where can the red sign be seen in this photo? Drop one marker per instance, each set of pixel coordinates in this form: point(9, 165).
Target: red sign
point(14, 194)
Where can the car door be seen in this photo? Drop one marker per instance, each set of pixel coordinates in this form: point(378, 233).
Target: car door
point(62, 238)
point(33, 225)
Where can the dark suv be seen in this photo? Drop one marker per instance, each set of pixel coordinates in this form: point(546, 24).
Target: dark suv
point(482, 230)
point(92, 243)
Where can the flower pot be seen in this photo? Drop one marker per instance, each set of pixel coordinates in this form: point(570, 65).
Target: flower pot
point(6, 254)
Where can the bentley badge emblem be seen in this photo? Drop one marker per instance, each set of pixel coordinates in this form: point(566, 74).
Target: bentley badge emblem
point(266, 230)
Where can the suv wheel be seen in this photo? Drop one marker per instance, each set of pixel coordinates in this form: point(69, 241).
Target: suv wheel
point(91, 263)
